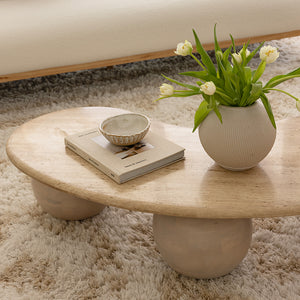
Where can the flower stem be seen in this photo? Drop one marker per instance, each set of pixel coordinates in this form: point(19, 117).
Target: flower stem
point(198, 61)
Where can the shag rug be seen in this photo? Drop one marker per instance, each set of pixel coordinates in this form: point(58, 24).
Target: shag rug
point(113, 255)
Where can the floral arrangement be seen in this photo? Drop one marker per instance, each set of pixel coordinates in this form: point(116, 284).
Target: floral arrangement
point(231, 82)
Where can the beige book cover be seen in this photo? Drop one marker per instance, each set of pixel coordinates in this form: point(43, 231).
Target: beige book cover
point(123, 163)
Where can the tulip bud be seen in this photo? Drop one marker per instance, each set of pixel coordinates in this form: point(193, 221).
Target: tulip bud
point(184, 49)
point(208, 88)
point(247, 52)
point(166, 90)
point(219, 54)
point(237, 57)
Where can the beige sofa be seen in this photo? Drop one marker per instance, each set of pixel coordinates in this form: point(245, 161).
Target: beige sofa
point(42, 37)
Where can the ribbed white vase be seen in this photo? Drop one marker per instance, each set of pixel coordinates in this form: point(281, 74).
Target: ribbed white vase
point(244, 138)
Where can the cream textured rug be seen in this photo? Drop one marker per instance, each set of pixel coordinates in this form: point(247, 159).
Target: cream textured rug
point(113, 255)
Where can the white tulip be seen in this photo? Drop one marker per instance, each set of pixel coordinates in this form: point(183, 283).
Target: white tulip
point(298, 105)
point(184, 49)
point(237, 57)
point(268, 54)
point(166, 90)
point(247, 52)
point(208, 88)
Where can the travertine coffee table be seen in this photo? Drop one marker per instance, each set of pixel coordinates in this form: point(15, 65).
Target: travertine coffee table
point(202, 212)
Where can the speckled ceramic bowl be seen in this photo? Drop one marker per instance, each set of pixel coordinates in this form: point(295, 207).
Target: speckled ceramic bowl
point(125, 129)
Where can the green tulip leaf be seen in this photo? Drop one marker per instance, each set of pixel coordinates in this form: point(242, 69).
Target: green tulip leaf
point(216, 110)
point(201, 114)
point(204, 56)
point(256, 91)
point(281, 78)
point(217, 47)
point(252, 54)
point(259, 71)
point(199, 74)
point(268, 108)
point(189, 86)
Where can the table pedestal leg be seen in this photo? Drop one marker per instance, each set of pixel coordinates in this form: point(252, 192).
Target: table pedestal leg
point(202, 248)
point(62, 205)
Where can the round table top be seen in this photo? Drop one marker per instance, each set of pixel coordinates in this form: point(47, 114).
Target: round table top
point(195, 187)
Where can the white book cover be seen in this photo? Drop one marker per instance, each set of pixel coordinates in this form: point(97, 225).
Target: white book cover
point(123, 163)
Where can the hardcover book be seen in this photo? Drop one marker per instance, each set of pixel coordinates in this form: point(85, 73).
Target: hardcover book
point(123, 163)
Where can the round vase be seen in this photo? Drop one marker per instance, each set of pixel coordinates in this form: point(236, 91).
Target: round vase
point(242, 140)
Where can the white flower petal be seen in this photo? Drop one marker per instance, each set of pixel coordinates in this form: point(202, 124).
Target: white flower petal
point(166, 90)
point(184, 49)
point(268, 54)
point(208, 88)
point(247, 52)
point(237, 57)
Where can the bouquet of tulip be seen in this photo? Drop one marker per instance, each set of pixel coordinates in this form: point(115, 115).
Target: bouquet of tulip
point(231, 82)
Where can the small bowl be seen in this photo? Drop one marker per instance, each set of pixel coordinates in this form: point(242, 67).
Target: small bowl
point(125, 129)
